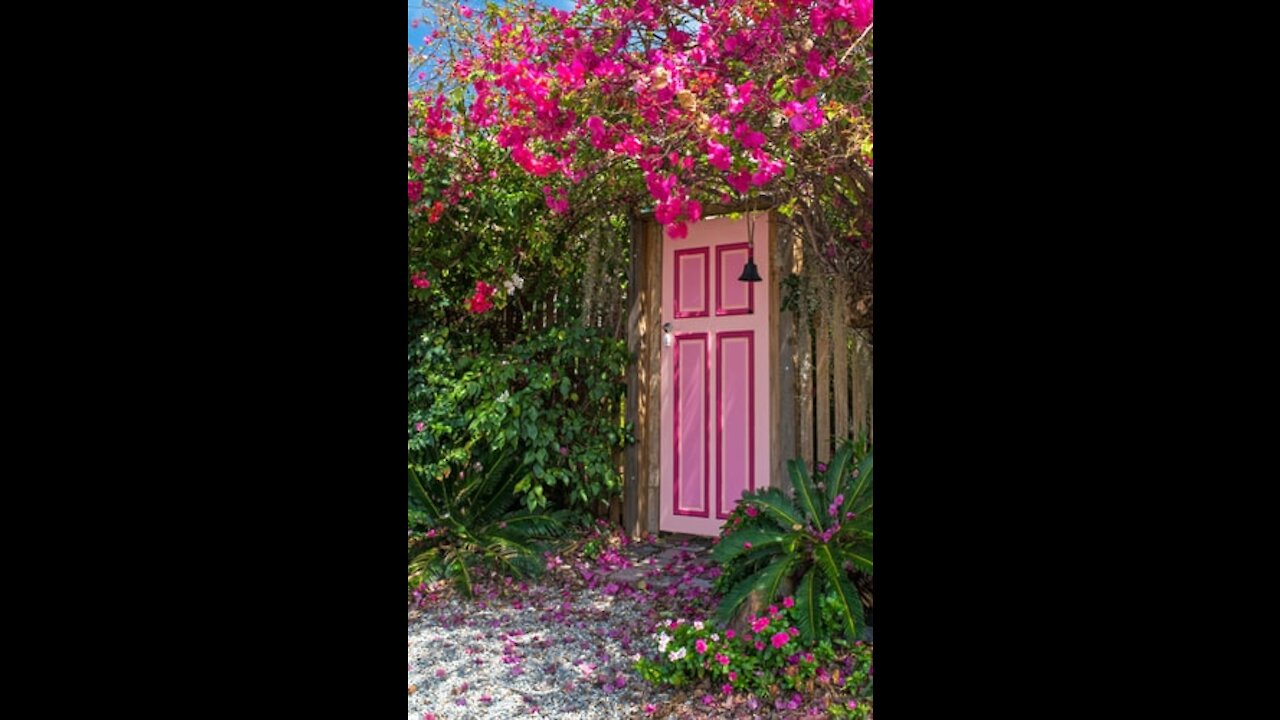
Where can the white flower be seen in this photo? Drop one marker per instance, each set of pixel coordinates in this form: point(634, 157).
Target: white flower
point(504, 396)
point(517, 281)
point(663, 639)
point(676, 655)
point(715, 637)
point(697, 624)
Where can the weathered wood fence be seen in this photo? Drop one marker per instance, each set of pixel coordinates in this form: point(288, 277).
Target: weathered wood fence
point(826, 364)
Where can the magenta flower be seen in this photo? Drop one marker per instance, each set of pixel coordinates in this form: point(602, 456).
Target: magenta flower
point(722, 659)
point(649, 709)
point(788, 601)
point(759, 624)
point(752, 511)
point(793, 632)
point(746, 545)
point(708, 700)
point(700, 646)
point(780, 639)
point(733, 676)
point(759, 645)
point(729, 634)
point(727, 689)
point(419, 426)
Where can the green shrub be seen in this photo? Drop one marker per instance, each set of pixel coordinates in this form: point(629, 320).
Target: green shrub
point(468, 518)
point(553, 401)
point(816, 544)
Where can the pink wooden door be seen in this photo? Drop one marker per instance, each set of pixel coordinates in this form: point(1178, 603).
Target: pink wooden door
point(715, 373)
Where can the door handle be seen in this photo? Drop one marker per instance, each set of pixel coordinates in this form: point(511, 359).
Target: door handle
point(667, 339)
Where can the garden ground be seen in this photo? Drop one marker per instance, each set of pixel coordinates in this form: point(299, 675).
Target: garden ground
point(564, 645)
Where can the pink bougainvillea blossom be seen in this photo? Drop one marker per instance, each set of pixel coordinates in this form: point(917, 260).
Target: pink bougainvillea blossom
point(480, 302)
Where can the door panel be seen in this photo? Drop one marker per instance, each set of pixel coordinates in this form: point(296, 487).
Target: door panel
point(715, 363)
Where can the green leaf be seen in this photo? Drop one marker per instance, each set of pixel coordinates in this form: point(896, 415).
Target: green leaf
point(778, 507)
point(838, 473)
point(463, 577)
point(767, 581)
point(538, 524)
point(770, 579)
point(808, 609)
point(849, 605)
point(734, 543)
point(860, 555)
point(415, 487)
point(862, 484)
point(805, 492)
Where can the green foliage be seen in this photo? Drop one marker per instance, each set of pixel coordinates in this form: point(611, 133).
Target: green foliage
point(819, 541)
point(552, 402)
point(469, 517)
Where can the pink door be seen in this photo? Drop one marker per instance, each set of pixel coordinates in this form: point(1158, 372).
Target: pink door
point(715, 373)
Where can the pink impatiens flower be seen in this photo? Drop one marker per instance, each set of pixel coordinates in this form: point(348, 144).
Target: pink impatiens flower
point(722, 659)
point(419, 426)
point(700, 646)
point(729, 634)
point(780, 639)
point(759, 624)
point(788, 602)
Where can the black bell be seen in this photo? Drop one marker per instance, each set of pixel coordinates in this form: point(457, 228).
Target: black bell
point(750, 273)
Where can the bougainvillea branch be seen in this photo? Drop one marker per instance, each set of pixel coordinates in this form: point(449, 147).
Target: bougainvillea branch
point(676, 104)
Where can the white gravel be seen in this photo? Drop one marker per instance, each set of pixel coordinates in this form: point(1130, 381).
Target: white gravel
point(563, 646)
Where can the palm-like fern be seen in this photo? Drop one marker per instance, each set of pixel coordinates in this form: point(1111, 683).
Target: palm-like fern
point(811, 539)
point(475, 523)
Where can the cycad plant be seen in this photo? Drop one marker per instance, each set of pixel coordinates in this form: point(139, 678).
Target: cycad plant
point(468, 519)
point(814, 543)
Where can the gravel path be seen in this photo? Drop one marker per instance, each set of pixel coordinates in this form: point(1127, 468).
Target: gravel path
point(561, 647)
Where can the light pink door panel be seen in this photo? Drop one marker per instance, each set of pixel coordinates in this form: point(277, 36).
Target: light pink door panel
point(715, 400)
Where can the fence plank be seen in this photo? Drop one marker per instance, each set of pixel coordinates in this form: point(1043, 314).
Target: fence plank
point(822, 371)
point(840, 351)
point(653, 379)
point(804, 372)
point(861, 386)
point(781, 433)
